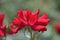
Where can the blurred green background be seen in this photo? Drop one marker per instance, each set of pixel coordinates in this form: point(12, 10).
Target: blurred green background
point(52, 7)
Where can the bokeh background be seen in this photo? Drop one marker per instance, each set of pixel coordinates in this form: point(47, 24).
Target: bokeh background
point(51, 7)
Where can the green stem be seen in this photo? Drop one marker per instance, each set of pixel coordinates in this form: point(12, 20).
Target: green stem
point(36, 36)
point(4, 38)
point(31, 38)
point(30, 30)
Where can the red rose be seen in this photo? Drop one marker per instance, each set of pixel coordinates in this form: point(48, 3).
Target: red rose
point(57, 28)
point(2, 27)
point(28, 18)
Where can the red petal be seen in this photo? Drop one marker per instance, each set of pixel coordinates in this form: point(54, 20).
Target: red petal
point(3, 28)
point(37, 12)
point(39, 28)
point(43, 21)
point(33, 18)
point(17, 21)
point(2, 34)
point(57, 28)
point(12, 31)
point(20, 14)
point(1, 19)
point(25, 15)
point(44, 16)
